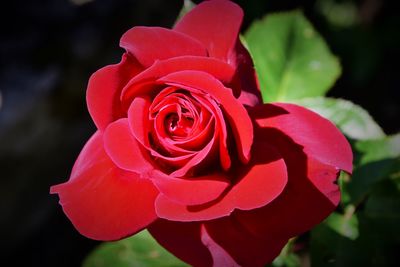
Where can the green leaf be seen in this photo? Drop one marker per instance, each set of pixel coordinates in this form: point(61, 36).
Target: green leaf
point(375, 246)
point(140, 250)
point(378, 160)
point(378, 218)
point(328, 248)
point(353, 120)
point(186, 7)
point(367, 176)
point(291, 59)
point(344, 224)
point(382, 209)
point(384, 202)
point(374, 150)
point(344, 179)
point(287, 258)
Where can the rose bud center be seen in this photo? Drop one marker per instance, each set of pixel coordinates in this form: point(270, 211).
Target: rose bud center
point(178, 125)
point(185, 126)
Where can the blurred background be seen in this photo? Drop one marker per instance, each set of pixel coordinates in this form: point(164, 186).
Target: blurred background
point(49, 49)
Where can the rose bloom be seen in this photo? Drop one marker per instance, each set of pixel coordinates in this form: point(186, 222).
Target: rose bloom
point(186, 148)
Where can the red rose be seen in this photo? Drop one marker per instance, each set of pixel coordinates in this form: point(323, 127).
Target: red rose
point(186, 148)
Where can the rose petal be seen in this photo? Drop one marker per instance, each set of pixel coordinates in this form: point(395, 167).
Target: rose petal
point(104, 90)
point(259, 182)
point(202, 157)
point(215, 67)
point(102, 201)
point(200, 133)
point(215, 24)
point(149, 44)
point(309, 197)
point(199, 137)
point(183, 240)
point(124, 150)
point(190, 190)
point(319, 137)
point(221, 132)
point(235, 112)
point(245, 77)
point(242, 246)
point(219, 255)
point(138, 118)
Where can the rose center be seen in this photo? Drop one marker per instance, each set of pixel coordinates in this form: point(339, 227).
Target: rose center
point(178, 126)
point(182, 124)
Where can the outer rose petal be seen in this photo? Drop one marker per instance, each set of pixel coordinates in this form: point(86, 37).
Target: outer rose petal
point(123, 148)
point(98, 198)
point(237, 115)
point(149, 44)
point(245, 77)
point(219, 255)
point(259, 183)
point(104, 90)
point(319, 137)
point(223, 242)
point(192, 190)
point(309, 197)
point(217, 68)
point(245, 248)
point(183, 240)
point(213, 66)
point(215, 24)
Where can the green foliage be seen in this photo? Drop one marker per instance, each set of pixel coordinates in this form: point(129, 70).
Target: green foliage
point(291, 59)
point(339, 13)
point(186, 7)
point(373, 200)
point(377, 160)
point(382, 210)
point(374, 150)
point(287, 257)
point(140, 250)
point(367, 176)
point(379, 234)
point(344, 224)
point(353, 120)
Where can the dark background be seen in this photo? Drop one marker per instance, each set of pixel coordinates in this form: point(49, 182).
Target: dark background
point(49, 49)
